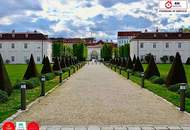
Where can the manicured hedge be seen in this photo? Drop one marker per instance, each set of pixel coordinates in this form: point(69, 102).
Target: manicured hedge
point(3, 96)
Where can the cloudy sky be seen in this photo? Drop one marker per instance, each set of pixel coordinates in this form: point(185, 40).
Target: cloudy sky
point(83, 18)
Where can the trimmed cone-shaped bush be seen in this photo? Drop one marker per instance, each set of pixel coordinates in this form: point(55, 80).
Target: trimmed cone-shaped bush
point(129, 63)
point(134, 60)
point(124, 62)
point(56, 65)
point(63, 64)
point(5, 84)
point(177, 73)
point(43, 59)
point(31, 70)
point(152, 69)
point(46, 67)
point(188, 61)
point(138, 66)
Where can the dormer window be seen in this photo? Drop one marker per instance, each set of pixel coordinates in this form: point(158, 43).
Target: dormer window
point(154, 35)
point(26, 35)
point(179, 35)
point(1, 35)
point(166, 35)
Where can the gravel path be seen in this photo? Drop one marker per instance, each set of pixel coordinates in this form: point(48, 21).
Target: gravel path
point(95, 95)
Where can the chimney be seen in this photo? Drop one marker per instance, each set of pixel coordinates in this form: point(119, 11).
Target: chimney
point(26, 35)
point(145, 30)
point(13, 33)
point(181, 30)
point(157, 29)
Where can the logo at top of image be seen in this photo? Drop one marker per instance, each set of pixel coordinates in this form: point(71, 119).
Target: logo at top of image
point(168, 4)
point(8, 126)
point(33, 126)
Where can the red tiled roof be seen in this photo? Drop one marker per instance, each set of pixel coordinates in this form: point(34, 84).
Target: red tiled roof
point(163, 35)
point(130, 33)
point(23, 36)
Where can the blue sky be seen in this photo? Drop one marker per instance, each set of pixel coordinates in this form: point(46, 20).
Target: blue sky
point(84, 18)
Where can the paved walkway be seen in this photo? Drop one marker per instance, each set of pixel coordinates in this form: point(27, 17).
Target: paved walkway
point(95, 95)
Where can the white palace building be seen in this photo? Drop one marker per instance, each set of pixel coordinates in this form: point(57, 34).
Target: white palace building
point(160, 44)
point(16, 48)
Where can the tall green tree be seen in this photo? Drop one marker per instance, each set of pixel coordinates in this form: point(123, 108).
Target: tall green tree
point(106, 52)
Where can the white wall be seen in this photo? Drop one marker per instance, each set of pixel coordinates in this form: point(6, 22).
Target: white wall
point(90, 49)
point(161, 49)
point(36, 47)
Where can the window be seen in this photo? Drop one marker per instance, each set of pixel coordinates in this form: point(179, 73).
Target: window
point(179, 45)
point(0, 45)
point(142, 45)
point(167, 45)
point(12, 58)
point(154, 57)
point(38, 58)
point(25, 45)
point(154, 45)
point(12, 45)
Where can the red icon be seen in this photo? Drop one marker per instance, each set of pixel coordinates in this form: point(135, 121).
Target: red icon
point(8, 126)
point(168, 4)
point(33, 126)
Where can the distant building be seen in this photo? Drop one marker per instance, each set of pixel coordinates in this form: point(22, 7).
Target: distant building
point(161, 44)
point(71, 41)
point(16, 47)
point(125, 37)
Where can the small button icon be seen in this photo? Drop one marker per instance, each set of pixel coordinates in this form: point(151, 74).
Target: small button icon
point(20, 125)
point(8, 126)
point(33, 126)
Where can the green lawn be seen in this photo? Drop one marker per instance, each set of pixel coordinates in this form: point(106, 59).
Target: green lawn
point(161, 90)
point(16, 71)
point(164, 69)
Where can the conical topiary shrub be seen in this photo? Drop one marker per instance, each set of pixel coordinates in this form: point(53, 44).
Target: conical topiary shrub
point(188, 61)
point(46, 67)
point(177, 73)
point(152, 69)
point(134, 60)
point(31, 70)
point(129, 63)
point(138, 66)
point(43, 59)
point(5, 84)
point(124, 62)
point(56, 65)
point(62, 63)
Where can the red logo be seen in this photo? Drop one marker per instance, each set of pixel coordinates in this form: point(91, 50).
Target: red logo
point(168, 4)
point(33, 126)
point(8, 126)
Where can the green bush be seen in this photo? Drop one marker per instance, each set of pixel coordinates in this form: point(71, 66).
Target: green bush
point(174, 88)
point(3, 96)
point(5, 84)
point(30, 84)
point(177, 72)
point(50, 76)
point(187, 93)
point(152, 69)
point(157, 80)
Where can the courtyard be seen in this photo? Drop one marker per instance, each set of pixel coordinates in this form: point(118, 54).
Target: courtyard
point(96, 95)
